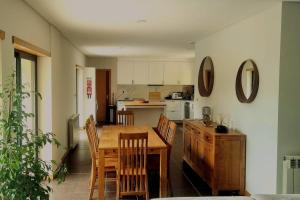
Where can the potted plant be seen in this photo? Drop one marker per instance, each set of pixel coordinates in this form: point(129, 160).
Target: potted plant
point(23, 174)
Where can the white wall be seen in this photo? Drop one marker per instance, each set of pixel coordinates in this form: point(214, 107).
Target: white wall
point(45, 103)
point(289, 96)
point(257, 37)
point(89, 103)
point(64, 60)
point(18, 19)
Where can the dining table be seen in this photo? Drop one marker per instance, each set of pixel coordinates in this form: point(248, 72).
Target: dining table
point(108, 151)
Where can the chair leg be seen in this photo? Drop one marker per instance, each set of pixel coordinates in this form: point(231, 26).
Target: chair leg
point(118, 190)
point(146, 188)
point(93, 181)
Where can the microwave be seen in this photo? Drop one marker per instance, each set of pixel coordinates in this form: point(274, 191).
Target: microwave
point(177, 95)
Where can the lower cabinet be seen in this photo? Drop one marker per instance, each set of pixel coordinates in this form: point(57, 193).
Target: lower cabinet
point(219, 159)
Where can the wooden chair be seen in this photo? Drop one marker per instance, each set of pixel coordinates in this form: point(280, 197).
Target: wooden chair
point(132, 176)
point(109, 165)
point(125, 118)
point(162, 126)
point(95, 132)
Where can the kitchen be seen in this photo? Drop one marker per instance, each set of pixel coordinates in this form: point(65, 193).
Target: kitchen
point(152, 87)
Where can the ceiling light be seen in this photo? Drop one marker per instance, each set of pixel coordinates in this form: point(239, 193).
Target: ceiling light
point(141, 21)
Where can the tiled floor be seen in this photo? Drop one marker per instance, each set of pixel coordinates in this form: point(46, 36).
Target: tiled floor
point(76, 185)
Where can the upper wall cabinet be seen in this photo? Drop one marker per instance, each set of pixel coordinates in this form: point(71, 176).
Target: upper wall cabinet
point(125, 72)
point(179, 73)
point(156, 73)
point(172, 73)
point(187, 73)
point(140, 73)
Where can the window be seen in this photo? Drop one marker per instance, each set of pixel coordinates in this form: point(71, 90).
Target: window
point(26, 75)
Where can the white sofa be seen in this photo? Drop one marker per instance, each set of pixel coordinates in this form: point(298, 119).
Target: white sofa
point(253, 197)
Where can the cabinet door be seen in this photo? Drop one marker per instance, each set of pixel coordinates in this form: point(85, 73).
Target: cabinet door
point(156, 73)
point(187, 142)
point(140, 73)
point(186, 73)
point(194, 146)
point(125, 72)
point(172, 73)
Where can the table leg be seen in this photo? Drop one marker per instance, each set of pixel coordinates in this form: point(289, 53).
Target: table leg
point(101, 173)
point(163, 173)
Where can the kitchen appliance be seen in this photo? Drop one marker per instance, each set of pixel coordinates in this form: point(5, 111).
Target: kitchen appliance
point(177, 95)
point(188, 110)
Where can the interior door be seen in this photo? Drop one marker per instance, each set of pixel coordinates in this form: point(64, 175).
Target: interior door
point(102, 95)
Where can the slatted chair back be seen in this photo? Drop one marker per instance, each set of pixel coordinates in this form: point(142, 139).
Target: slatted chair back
point(125, 118)
point(132, 164)
point(162, 130)
point(170, 133)
point(95, 135)
point(89, 128)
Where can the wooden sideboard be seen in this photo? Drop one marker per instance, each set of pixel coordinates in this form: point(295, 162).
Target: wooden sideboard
point(219, 159)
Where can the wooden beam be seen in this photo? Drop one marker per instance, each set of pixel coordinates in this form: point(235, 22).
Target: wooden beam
point(2, 35)
point(29, 48)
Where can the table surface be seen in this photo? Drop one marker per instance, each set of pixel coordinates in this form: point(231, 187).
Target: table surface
point(109, 136)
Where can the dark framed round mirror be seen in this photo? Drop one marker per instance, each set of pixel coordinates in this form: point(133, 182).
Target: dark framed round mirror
point(206, 77)
point(247, 81)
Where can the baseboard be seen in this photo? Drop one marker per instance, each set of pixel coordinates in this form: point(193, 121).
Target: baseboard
point(63, 161)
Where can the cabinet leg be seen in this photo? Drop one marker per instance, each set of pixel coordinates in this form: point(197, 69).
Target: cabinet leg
point(242, 192)
point(214, 192)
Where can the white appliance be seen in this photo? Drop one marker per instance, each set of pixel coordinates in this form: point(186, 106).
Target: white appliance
point(291, 175)
point(177, 95)
point(188, 110)
point(173, 110)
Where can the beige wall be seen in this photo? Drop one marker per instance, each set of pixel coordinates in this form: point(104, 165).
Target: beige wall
point(289, 96)
point(18, 19)
point(64, 60)
point(258, 38)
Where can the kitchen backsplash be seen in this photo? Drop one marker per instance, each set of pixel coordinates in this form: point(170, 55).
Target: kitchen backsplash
point(142, 91)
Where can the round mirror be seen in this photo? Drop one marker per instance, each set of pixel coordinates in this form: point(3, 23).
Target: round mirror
point(206, 77)
point(247, 82)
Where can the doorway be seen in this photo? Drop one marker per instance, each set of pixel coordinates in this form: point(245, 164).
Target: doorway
point(103, 86)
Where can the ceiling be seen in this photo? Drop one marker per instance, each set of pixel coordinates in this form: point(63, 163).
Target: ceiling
point(154, 28)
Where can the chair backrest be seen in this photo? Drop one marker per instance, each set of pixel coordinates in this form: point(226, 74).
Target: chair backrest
point(89, 128)
point(125, 118)
point(132, 161)
point(170, 133)
point(162, 129)
point(95, 135)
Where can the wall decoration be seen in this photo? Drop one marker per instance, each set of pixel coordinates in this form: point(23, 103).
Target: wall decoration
point(89, 87)
point(247, 82)
point(206, 77)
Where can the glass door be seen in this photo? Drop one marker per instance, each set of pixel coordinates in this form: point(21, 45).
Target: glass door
point(26, 77)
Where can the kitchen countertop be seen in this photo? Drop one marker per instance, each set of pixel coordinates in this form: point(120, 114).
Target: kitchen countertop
point(138, 104)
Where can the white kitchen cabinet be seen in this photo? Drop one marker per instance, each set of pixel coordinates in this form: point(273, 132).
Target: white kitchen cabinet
point(140, 73)
point(156, 73)
point(172, 73)
point(187, 73)
point(125, 72)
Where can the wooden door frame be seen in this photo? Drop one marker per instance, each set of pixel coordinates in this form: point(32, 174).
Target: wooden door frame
point(108, 82)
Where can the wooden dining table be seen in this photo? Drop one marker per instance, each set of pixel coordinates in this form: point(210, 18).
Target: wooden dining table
point(108, 151)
